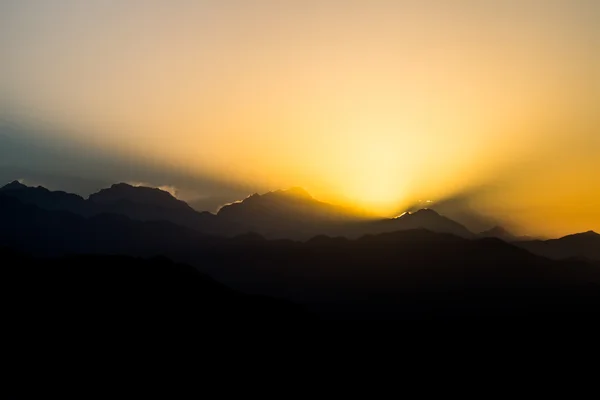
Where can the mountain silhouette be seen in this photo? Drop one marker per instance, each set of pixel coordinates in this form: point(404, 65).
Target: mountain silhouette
point(585, 245)
point(422, 219)
point(408, 274)
point(282, 214)
point(292, 204)
point(139, 203)
point(498, 232)
point(150, 204)
point(291, 213)
point(294, 213)
point(140, 195)
point(56, 232)
point(501, 233)
point(414, 274)
point(44, 198)
point(14, 185)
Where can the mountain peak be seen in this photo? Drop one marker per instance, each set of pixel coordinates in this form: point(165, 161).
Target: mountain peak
point(137, 194)
point(295, 191)
point(588, 234)
point(121, 185)
point(427, 218)
point(131, 189)
point(14, 185)
point(425, 211)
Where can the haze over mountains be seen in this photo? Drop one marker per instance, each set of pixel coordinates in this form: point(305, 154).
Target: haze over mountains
point(283, 214)
point(291, 213)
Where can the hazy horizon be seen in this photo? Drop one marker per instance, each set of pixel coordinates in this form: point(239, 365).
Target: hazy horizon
point(483, 106)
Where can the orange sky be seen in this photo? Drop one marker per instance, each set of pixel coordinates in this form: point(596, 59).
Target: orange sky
point(371, 103)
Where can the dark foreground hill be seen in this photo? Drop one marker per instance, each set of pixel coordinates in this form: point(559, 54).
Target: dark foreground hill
point(413, 275)
point(119, 292)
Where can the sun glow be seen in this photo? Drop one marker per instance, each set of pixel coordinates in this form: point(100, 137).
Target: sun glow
point(376, 105)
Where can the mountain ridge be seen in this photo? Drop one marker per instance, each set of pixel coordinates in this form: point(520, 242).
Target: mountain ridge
point(583, 244)
point(289, 213)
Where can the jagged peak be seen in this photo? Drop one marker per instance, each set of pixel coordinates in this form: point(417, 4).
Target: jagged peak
point(420, 212)
point(425, 211)
point(14, 185)
point(588, 234)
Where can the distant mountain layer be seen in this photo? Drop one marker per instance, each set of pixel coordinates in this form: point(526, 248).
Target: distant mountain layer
point(586, 245)
point(294, 204)
point(501, 233)
point(139, 203)
point(139, 195)
point(45, 198)
point(292, 213)
point(282, 214)
point(422, 219)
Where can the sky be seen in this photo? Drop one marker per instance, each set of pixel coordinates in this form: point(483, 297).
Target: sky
point(487, 106)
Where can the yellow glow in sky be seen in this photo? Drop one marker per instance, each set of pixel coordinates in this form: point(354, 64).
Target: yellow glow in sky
point(370, 103)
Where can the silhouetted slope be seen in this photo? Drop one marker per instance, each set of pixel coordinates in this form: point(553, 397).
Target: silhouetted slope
point(293, 204)
point(123, 294)
point(44, 198)
point(498, 232)
point(150, 204)
point(422, 219)
point(139, 203)
point(296, 214)
point(411, 275)
point(139, 195)
point(585, 244)
point(34, 229)
point(291, 213)
point(501, 233)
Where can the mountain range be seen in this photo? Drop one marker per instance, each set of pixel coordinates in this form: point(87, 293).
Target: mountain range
point(418, 266)
point(291, 213)
point(407, 274)
point(282, 214)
